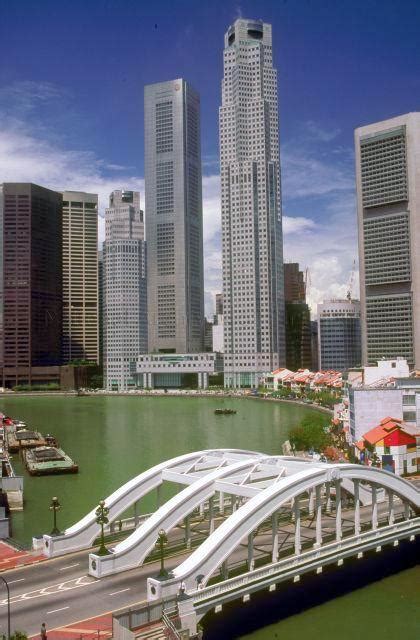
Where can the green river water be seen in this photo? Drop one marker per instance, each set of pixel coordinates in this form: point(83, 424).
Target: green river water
point(115, 438)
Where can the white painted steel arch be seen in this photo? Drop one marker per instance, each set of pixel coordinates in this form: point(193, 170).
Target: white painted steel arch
point(82, 534)
point(132, 551)
point(210, 555)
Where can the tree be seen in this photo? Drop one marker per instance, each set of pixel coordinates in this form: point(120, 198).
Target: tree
point(19, 635)
point(310, 434)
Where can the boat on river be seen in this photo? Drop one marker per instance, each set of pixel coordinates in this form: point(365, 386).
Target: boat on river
point(43, 461)
point(224, 412)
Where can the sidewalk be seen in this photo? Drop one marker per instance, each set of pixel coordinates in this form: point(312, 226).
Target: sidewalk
point(11, 558)
point(100, 627)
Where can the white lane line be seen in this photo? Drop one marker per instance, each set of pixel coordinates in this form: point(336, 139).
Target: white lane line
point(114, 593)
point(19, 580)
point(55, 610)
point(70, 566)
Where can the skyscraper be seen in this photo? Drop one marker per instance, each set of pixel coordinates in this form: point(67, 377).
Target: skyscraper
point(80, 277)
point(298, 319)
point(388, 205)
point(30, 284)
point(253, 299)
point(339, 340)
point(124, 289)
point(174, 221)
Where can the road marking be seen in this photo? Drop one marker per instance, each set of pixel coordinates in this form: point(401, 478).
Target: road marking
point(70, 566)
point(55, 610)
point(19, 580)
point(114, 593)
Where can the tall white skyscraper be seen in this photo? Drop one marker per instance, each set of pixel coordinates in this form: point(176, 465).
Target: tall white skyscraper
point(174, 220)
point(388, 205)
point(253, 295)
point(124, 289)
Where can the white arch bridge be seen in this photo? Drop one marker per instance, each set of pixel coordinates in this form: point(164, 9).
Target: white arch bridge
point(259, 516)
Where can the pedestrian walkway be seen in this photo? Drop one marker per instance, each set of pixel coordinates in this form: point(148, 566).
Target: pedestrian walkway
point(94, 628)
point(10, 558)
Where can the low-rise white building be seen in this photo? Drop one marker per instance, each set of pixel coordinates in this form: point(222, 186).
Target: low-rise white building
point(167, 369)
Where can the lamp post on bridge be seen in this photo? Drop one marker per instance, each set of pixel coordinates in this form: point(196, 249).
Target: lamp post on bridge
point(102, 519)
point(8, 606)
point(162, 541)
point(54, 507)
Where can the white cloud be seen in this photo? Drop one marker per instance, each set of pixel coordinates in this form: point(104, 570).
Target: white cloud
point(296, 224)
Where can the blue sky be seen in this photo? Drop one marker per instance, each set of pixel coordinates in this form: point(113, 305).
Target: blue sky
point(71, 102)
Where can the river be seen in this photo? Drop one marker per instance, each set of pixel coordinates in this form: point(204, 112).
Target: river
point(115, 438)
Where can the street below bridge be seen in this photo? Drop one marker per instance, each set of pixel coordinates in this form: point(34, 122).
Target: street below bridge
point(59, 591)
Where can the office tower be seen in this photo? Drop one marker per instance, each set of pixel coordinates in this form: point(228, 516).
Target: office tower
point(298, 319)
point(251, 210)
point(388, 205)
point(174, 217)
point(124, 289)
point(219, 304)
point(31, 284)
point(314, 346)
point(339, 339)
point(80, 277)
point(101, 305)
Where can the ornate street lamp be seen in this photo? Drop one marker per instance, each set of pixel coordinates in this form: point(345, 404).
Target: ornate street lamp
point(162, 541)
point(54, 507)
point(102, 519)
point(8, 607)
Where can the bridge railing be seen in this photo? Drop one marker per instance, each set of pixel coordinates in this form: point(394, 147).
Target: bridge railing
point(293, 562)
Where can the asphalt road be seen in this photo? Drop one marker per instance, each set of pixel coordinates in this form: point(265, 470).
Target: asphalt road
point(59, 591)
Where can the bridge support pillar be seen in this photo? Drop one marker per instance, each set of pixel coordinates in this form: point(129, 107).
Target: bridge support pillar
point(211, 515)
point(338, 531)
point(318, 509)
point(136, 513)
point(296, 511)
point(374, 507)
point(356, 508)
point(251, 562)
point(158, 496)
point(311, 502)
point(221, 503)
point(328, 497)
point(391, 513)
point(187, 532)
point(225, 570)
point(406, 511)
point(187, 615)
point(202, 509)
point(275, 536)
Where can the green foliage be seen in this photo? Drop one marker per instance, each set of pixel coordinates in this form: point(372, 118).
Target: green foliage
point(311, 434)
point(19, 635)
point(51, 386)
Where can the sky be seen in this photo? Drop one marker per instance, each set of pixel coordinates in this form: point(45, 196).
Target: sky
point(71, 104)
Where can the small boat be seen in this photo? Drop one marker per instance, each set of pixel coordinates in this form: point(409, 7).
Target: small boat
point(43, 461)
point(224, 412)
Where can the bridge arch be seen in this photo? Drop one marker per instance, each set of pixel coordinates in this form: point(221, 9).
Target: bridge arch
point(82, 534)
point(214, 551)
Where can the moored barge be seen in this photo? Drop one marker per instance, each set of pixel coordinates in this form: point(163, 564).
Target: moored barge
point(43, 461)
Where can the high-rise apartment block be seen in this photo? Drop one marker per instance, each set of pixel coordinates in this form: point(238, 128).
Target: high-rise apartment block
point(124, 289)
point(388, 203)
point(298, 319)
point(251, 209)
point(339, 340)
point(30, 284)
point(174, 217)
point(80, 277)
